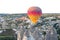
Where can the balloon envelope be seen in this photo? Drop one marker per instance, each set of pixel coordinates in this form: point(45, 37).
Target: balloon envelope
point(34, 13)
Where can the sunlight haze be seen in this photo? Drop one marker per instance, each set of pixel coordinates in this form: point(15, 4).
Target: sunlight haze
point(21, 6)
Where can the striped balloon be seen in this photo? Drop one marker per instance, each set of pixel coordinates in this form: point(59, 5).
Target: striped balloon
point(34, 13)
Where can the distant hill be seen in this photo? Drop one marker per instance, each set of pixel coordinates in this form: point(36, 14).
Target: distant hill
point(24, 14)
point(51, 14)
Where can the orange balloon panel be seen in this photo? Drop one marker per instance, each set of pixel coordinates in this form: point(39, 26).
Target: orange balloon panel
point(34, 18)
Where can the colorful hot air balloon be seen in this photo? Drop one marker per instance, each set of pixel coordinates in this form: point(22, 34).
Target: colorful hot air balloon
point(34, 13)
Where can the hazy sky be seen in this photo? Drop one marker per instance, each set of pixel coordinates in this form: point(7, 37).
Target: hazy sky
point(21, 6)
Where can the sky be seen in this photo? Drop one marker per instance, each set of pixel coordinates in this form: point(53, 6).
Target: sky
point(21, 6)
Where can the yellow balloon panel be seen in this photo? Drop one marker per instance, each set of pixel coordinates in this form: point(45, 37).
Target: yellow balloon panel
point(34, 18)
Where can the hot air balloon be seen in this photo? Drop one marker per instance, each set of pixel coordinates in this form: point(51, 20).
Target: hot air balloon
point(34, 13)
